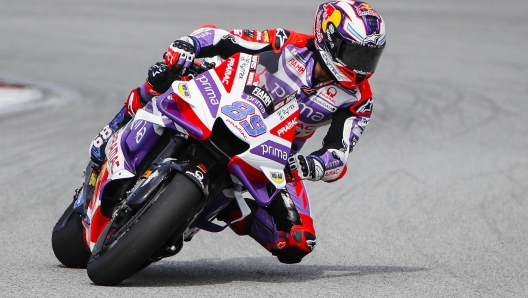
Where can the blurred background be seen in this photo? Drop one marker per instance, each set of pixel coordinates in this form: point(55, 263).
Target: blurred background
point(435, 200)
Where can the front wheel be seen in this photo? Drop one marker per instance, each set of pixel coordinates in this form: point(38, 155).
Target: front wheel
point(67, 240)
point(171, 206)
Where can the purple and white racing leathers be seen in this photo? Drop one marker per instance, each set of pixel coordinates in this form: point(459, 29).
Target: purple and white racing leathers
point(286, 70)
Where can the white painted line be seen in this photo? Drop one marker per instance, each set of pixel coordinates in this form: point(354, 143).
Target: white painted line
point(15, 97)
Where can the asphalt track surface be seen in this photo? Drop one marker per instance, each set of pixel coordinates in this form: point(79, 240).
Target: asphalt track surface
point(435, 200)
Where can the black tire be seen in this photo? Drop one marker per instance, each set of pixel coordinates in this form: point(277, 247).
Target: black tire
point(67, 240)
point(127, 254)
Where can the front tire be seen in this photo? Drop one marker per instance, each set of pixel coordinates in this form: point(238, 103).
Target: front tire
point(173, 204)
point(67, 240)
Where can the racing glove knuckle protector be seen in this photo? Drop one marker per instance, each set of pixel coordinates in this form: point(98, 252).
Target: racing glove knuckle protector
point(306, 167)
point(180, 54)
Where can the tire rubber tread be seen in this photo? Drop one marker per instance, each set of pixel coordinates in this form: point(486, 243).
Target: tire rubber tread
point(122, 260)
point(67, 240)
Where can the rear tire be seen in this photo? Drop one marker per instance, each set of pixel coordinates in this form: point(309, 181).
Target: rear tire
point(67, 240)
point(128, 253)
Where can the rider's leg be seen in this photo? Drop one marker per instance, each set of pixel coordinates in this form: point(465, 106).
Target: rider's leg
point(284, 228)
point(134, 102)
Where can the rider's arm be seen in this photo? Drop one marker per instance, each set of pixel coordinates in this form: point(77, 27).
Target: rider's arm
point(213, 41)
point(347, 126)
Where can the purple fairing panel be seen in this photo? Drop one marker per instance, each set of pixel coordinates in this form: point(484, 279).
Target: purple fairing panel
point(137, 138)
point(169, 108)
point(141, 138)
point(256, 188)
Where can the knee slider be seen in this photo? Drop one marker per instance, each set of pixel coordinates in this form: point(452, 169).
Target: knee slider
point(300, 243)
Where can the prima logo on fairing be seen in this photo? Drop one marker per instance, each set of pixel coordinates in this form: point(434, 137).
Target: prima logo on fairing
point(208, 88)
point(210, 92)
point(256, 102)
point(273, 151)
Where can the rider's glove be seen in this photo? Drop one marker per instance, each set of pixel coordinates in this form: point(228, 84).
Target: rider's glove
point(160, 77)
point(306, 167)
point(180, 54)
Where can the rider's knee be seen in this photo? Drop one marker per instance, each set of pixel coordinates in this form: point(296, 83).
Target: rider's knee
point(300, 242)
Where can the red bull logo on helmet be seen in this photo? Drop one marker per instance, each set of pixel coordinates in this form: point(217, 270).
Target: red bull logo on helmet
point(331, 15)
point(364, 9)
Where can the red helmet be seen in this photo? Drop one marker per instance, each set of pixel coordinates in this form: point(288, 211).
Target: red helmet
point(349, 37)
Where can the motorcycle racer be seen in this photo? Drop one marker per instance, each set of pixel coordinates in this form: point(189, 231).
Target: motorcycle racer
point(327, 73)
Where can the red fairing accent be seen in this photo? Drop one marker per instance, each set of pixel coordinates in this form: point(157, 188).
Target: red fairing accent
point(98, 221)
point(133, 102)
point(250, 171)
point(227, 71)
point(286, 129)
point(191, 117)
point(98, 224)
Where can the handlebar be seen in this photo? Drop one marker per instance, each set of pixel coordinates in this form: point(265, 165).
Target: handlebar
point(199, 67)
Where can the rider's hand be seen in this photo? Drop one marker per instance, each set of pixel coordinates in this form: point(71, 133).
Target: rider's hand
point(160, 77)
point(306, 167)
point(180, 54)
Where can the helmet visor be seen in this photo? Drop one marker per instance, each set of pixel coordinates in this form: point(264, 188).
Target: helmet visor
point(362, 58)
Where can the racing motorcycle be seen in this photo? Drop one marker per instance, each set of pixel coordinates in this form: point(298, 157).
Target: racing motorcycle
point(164, 170)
